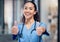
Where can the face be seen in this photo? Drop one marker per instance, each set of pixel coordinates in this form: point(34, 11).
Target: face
point(29, 10)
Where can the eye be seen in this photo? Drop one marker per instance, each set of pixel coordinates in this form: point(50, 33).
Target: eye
point(25, 8)
point(30, 8)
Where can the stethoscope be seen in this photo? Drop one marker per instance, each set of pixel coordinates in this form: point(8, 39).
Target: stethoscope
point(20, 34)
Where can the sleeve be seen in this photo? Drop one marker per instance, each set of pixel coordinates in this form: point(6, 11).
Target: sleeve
point(16, 36)
point(45, 26)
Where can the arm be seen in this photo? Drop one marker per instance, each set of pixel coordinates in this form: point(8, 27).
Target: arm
point(14, 36)
point(45, 29)
point(46, 33)
point(15, 32)
point(42, 29)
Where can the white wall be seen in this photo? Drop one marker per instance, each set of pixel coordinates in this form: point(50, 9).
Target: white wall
point(19, 9)
point(44, 17)
point(8, 13)
point(44, 11)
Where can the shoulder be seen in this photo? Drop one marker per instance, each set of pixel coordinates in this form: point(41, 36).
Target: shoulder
point(20, 25)
point(40, 23)
point(43, 24)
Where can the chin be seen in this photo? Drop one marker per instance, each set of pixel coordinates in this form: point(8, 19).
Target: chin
point(27, 17)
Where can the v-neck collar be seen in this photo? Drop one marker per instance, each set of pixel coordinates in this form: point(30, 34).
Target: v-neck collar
point(30, 26)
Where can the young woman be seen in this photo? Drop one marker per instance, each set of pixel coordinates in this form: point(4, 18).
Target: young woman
point(31, 29)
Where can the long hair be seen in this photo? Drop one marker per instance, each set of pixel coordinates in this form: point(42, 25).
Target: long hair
point(36, 16)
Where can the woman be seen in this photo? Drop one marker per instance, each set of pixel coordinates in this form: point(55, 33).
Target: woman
point(31, 29)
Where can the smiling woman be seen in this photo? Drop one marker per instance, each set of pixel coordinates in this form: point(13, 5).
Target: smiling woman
point(30, 21)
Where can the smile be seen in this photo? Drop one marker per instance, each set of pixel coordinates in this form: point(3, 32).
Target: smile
point(27, 14)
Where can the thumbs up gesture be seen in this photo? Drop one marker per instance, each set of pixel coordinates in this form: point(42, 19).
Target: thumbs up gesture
point(15, 28)
point(40, 30)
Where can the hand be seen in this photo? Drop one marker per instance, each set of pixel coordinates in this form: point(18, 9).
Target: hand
point(40, 30)
point(15, 29)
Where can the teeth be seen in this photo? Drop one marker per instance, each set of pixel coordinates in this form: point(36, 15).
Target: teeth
point(27, 14)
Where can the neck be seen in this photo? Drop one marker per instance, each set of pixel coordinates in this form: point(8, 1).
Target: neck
point(29, 21)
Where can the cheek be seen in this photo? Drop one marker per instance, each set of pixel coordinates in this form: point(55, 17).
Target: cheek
point(23, 12)
point(33, 13)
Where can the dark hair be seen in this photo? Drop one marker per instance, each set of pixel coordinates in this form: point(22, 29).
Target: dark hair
point(36, 16)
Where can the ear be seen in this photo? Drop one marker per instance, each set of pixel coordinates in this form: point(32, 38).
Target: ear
point(35, 12)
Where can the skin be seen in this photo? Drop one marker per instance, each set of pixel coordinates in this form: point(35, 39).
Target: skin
point(29, 12)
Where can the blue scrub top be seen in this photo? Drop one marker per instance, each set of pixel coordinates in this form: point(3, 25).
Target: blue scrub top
point(27, 35)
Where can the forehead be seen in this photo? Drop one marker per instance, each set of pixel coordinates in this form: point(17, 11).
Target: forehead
point(29, 4)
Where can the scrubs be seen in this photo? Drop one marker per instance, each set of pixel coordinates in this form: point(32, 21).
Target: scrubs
point(27, 35)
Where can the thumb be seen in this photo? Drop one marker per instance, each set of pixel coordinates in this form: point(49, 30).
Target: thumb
point(15, 23)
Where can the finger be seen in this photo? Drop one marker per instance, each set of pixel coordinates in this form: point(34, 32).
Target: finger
point(15, 23)
point(40, 28)
point(14, 28)
point(39, 33)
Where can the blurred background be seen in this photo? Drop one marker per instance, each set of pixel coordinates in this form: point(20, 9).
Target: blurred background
point(12, 10)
